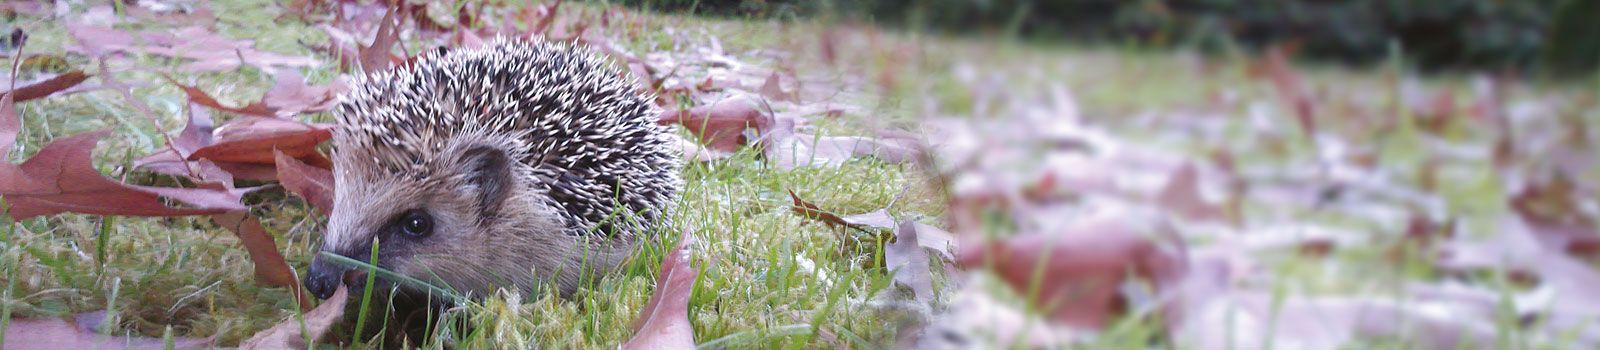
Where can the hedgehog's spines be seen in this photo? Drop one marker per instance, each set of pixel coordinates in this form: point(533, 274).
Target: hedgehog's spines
point(522, 96)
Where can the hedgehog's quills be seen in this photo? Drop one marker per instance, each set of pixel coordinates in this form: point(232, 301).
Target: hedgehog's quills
point(516, 165)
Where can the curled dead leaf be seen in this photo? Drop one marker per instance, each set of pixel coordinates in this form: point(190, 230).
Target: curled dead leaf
point(664, 321)
point(317, 322)
point(270, 268)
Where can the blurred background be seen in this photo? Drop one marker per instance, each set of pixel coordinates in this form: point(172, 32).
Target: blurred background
point(1557, 35)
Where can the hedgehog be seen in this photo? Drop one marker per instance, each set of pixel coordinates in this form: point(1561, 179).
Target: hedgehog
point(518, 165)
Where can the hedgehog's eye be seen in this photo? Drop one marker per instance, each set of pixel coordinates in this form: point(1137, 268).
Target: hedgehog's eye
point(417, 223)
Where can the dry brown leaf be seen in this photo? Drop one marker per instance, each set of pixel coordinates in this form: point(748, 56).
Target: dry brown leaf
point(721, 125)
point(1182, 195)
point(800, 150)
point(270, 268)
point(547, 15)
point(933, 239)
point(55, 333)
point(45, 87)
point(309, 182)
point(202, 98)
point(1256, 320)
point(1084, 266)
point(208, 50)
point(378, 56)
point(773, 88)
point(1287, 82)
point(291, 95)
point(908, 260)
point(975, 317)
point(695, 151)
point(199, 133)
point(317, 322)
point(61, 178)
point(252, 140)
point(809, 210)
point(1553, 210)
point(664, 321)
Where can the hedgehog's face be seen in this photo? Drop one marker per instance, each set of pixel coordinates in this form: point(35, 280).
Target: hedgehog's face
point(432, 227)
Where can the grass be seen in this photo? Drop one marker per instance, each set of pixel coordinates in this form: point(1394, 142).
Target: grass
point(768, 278)
point(761, 266)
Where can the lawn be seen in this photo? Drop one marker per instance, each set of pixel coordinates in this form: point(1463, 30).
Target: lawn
point(1299, 199)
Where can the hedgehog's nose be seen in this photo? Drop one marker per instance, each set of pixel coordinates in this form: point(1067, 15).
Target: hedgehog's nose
point(323, 277)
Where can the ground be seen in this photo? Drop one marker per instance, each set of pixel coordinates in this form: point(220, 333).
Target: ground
point(771, 278)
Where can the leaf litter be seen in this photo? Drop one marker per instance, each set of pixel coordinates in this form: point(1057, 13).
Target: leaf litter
point(1060, 222)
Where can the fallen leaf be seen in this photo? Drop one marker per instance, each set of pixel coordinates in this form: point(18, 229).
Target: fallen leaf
point(546, 15)
point(202, 98)
point(207, 50)
point(975, 317)
point(290, 95)
point(378, 56)
point(1553, 210)
point(196, 133)
point(1288, 84)
point(55, 333)
point(1182, 195)
point(30, 8)
point(1256, 320)
point(167, 13)
point(309, 182)
point(908, 260)
point(664, 321)
point(317, 322)
point(1084, 267)
point(878, 219)
point(771, 88)
point(99, 41)
point(464, 38)
point(721, 125)
point(270, 268)
point(45, 87)
point(199, 133)
point(931, 238)
point(790, 151)
point(252, 140)
point(697, 152)
point(61, 178)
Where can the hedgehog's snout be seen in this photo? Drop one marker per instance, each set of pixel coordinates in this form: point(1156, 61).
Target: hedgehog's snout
point(323, 277)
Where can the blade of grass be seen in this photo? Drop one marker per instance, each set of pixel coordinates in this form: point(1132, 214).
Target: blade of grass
point(366, 293)
point(11, 285)
point(742, 339)
point(100, 243)
point(167, 340)
point(111, 319)
point(827, 308)
point(392, 276)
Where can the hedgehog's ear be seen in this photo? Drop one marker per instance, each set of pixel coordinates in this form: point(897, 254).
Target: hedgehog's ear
point(487, 175)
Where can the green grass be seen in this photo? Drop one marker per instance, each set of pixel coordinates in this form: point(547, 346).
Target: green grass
point(768, 277)
point(760, 264)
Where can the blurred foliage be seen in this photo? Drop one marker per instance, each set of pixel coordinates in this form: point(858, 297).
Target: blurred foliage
point(1562, 35)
